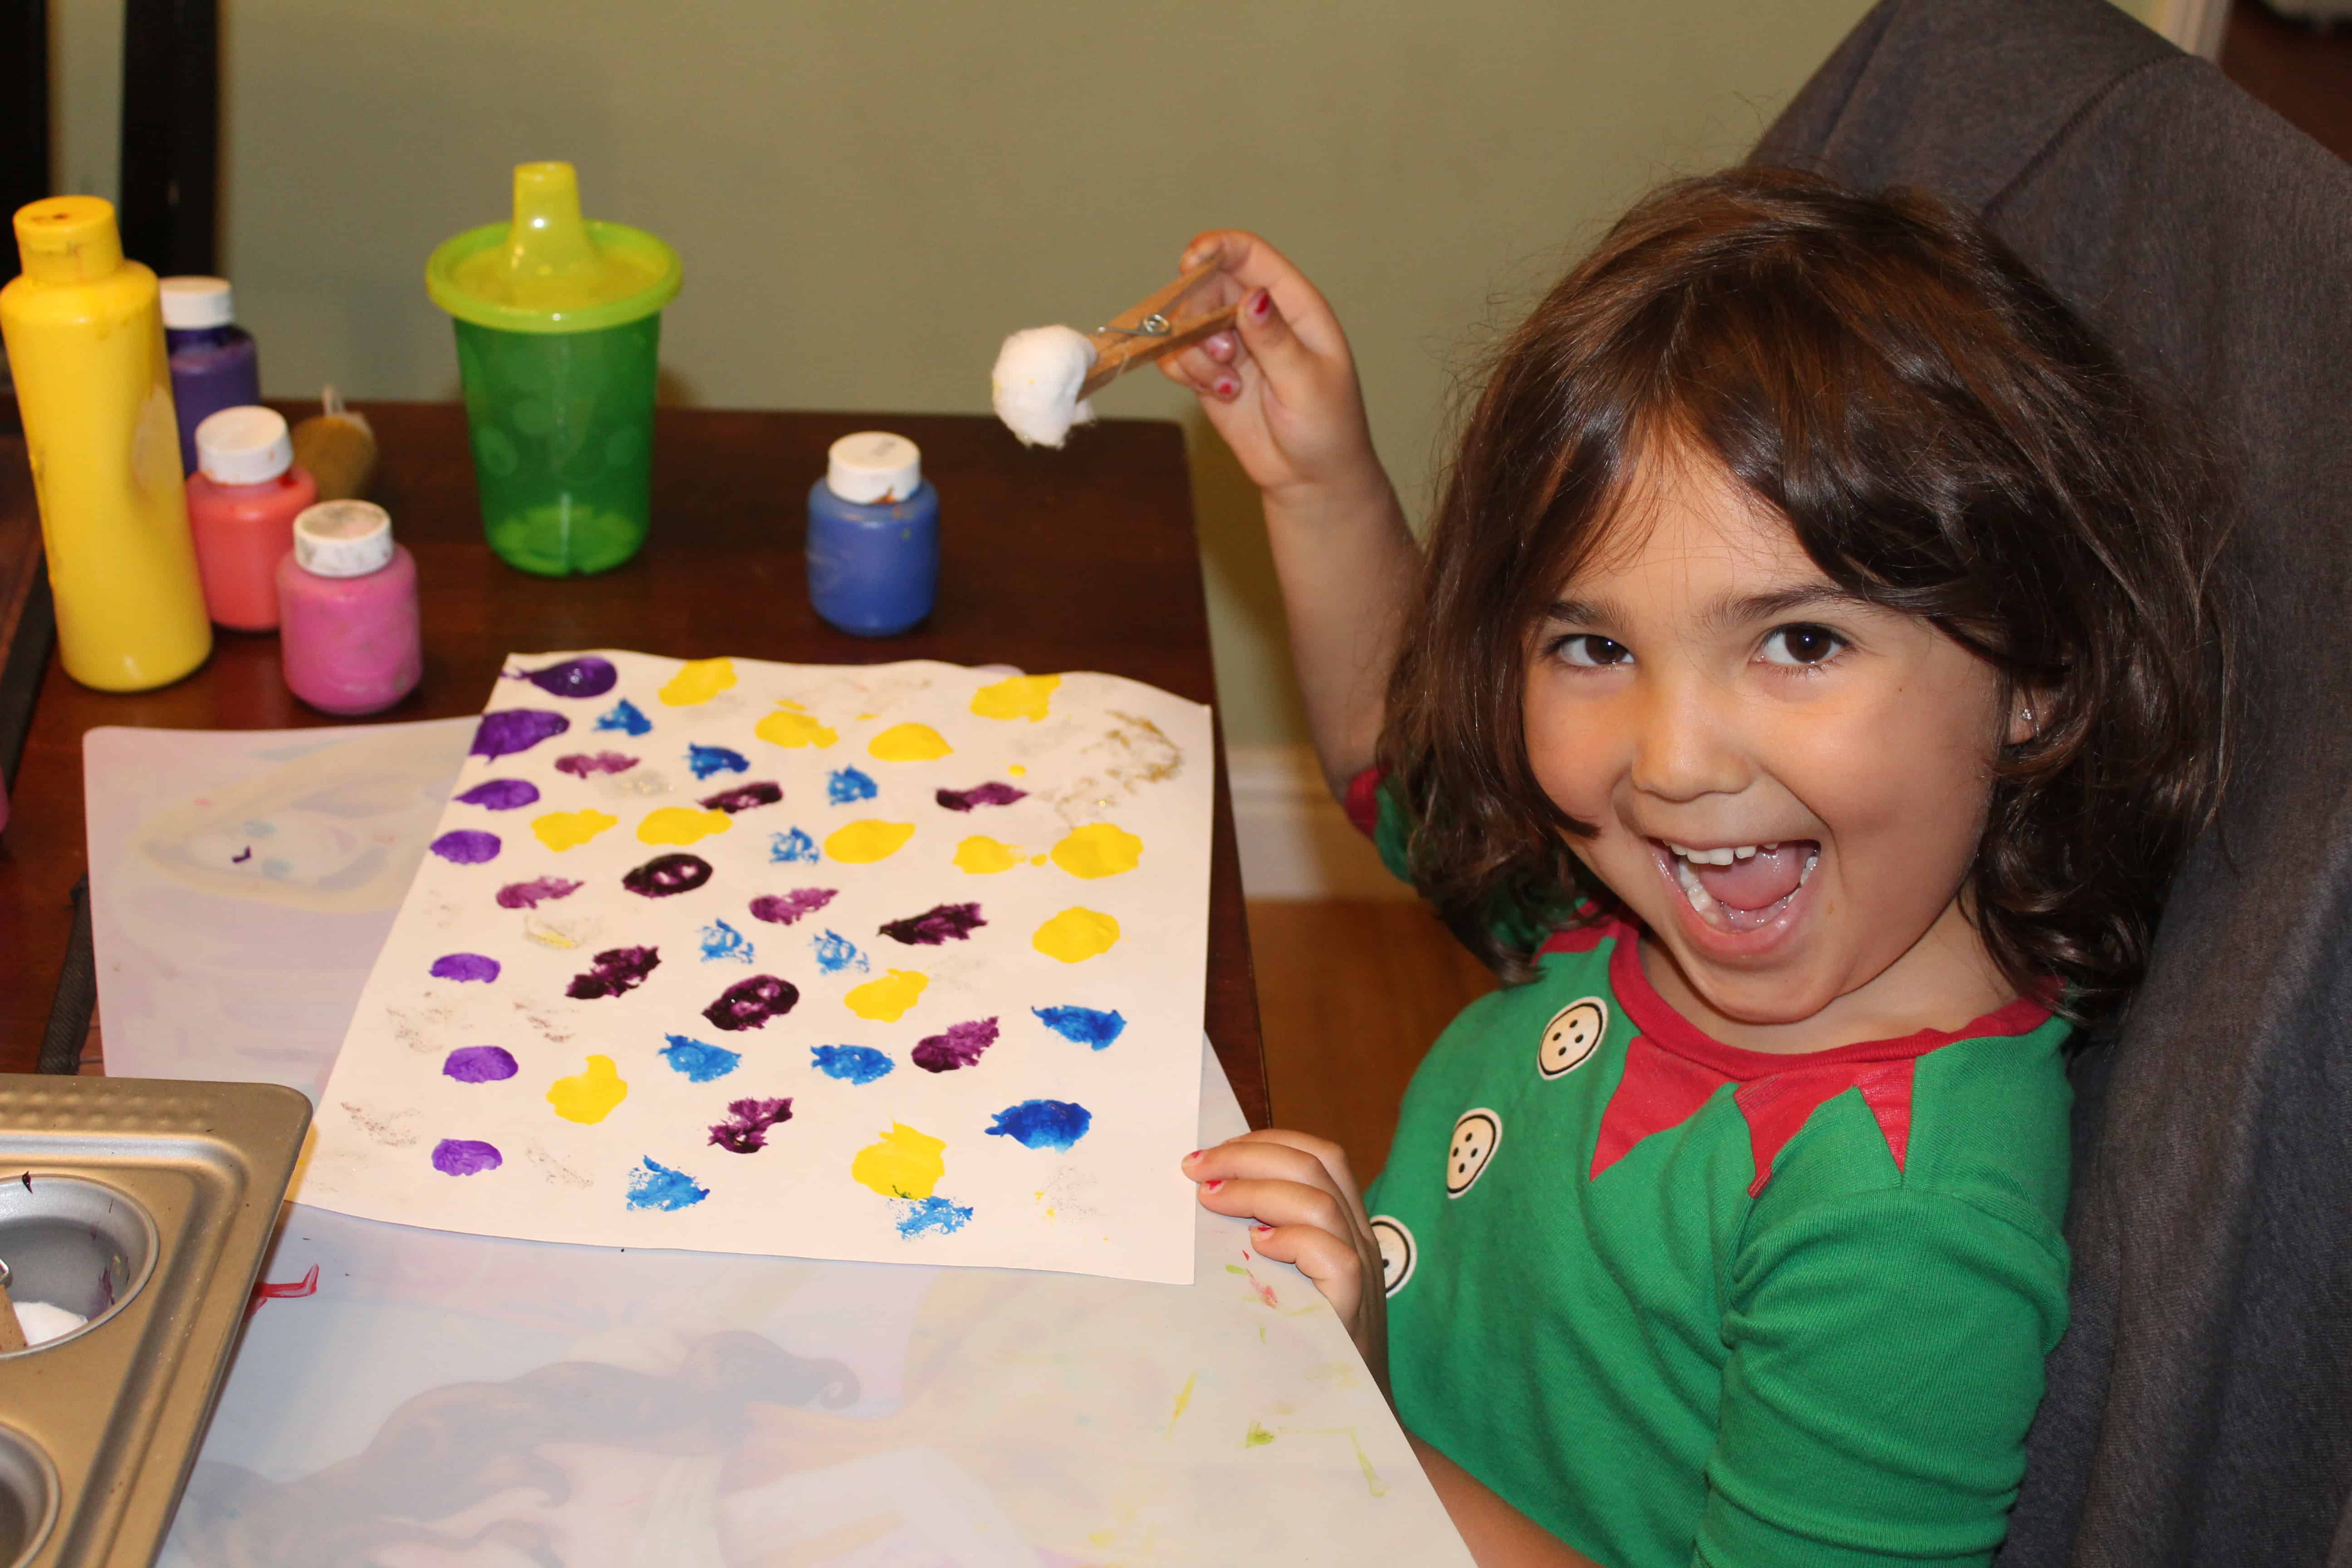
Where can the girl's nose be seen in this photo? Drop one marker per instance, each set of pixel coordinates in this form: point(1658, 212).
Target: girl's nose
point(1688, 740)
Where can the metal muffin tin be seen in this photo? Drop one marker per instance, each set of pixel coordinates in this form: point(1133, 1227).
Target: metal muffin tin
point(147, 1205)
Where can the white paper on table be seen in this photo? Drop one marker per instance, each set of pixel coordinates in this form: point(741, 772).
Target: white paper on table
point(1047, 1400)
point(1098, 759)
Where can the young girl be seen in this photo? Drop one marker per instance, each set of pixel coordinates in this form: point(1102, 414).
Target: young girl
point(1812, 679)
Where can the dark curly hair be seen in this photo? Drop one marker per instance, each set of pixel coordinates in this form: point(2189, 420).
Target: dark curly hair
point(1948, 439)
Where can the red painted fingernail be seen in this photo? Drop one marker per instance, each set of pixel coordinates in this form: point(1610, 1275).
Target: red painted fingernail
point(1260, 306)
point(1194, 1155)
point(1213, 1185)
point(1227, 386)
point(1261, 1230)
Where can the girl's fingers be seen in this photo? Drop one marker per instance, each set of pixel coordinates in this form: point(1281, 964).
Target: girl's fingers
point(1279, 1203)
point(1337, 1268)
point(1329, 1155)
point(1264, 1158)
point(1252, 264)
point(1191, 369)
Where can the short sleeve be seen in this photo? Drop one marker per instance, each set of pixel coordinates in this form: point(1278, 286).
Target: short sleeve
point(1885, 1359)
point(1372, 806)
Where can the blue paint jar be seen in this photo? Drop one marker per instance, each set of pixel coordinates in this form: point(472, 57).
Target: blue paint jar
point(873, 536)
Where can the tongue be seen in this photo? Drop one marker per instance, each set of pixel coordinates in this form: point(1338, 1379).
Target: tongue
point(1762, 880)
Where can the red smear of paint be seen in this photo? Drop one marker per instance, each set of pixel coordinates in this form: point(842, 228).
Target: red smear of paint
point(306, 1286)
point(1264, 1291)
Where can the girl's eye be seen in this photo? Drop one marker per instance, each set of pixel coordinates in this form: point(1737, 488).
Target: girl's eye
point(1801, 646)
point(1592, 651)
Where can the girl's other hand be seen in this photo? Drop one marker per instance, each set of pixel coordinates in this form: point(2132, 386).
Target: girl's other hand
point(1281, 386)
point(1309, 1213)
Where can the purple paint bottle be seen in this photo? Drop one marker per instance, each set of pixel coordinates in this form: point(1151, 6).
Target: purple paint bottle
point(215, 364)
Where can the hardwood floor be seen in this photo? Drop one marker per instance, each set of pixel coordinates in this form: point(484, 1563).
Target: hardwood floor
point(1350, 994)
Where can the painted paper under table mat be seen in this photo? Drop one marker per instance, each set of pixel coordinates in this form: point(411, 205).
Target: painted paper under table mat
point(901, 963)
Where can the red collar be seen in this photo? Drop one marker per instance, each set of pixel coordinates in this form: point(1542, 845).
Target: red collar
point(1672, 1068)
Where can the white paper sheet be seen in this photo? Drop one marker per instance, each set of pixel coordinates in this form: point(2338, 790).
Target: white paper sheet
point(999, 1416)
point(624, 959)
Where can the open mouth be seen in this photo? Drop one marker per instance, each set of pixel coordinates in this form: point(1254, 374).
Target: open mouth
point(1741, 887)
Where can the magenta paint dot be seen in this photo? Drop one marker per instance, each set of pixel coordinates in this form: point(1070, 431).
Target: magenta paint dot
point(939, 924)
point(749, 1004)
point(791, 906)
point(745, 1131)
point(614, 970)
point(743, 797)
point(588, 677)
point(538, 891)
point(479, 1064)
point(586, 764)
point(501, 794)
point(465, 966)
point(989, 793)
point(958, 1047)
point(466, 1157)
point(665, 874)
point(512, 730)
point(467, 846)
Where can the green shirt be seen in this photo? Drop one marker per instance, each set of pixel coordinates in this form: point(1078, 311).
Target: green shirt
point(1680, 1302)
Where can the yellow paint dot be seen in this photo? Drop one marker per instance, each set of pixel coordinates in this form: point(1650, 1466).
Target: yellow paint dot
point(1019, 697)
point(698, 681)
point(863, 843)
point(1036, 859)
point(885, 1000)
point(984, 857)
point(905, 1164)
point(682, 825)
point(789, 726)
point(908, 744)
point(590, 1097)
point(788, 702)
point(1076, 935)
point(562, 830)
point(1016, 770)
point(1098, 849)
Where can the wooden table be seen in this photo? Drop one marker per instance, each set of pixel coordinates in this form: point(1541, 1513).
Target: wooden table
point(1076, 560)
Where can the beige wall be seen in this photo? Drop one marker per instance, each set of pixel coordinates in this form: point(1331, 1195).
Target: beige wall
point(869, 196)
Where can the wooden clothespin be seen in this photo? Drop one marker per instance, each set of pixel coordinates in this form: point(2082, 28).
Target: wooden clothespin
point(12, 1332)
point(1147, 329)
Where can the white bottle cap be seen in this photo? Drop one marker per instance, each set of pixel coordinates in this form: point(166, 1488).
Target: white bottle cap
point(873, 466)
point(247, 446)
point(191, 303)
point(343, 538)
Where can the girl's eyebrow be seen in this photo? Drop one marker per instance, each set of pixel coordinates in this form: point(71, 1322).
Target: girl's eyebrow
point(1749, 608)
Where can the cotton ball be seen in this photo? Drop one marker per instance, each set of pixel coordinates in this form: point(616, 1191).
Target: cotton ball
point(42, 1323)
point(1035, 384)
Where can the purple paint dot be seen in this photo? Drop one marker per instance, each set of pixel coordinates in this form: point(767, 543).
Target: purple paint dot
point(958, 1047)
point(512, 730)
point(479, 1064)
point(939, 924)
point(501, 794)
point(538, 891)
point(743, 797)
point(749, 1004)
point(784, 910)
point(745, 1131)
point(614, 970)
point(589, 676)
point(585, 764)
point(665, 875)
point(989, 793)
point(466, 1157)
point(467, 846)
point(465, 966)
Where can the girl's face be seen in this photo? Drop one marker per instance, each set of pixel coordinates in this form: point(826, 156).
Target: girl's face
point(1788, 783)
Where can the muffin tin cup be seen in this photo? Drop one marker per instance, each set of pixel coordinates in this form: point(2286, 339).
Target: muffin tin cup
point(74, 1243)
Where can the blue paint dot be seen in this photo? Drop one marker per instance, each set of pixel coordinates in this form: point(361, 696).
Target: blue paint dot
point(1043, 1124)
point(848, 786)
point(785, 848)
point(851, 1063)
point(721, 940)
point(708, 760)
point(1086, 1026)
point(654, 1185)
point(933, 1216)
point(699, 1062)
point(625, 718)
point(835, 952)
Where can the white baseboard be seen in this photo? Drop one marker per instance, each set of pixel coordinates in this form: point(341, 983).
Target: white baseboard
point(1296, 841)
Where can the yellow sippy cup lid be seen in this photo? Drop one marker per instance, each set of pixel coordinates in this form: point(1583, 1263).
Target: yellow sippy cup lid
point(550, 271)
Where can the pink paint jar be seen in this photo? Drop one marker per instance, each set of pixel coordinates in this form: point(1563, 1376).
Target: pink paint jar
point(242, 502)
point(347, 610)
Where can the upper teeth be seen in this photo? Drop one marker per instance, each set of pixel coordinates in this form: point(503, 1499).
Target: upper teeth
point(1724, 855)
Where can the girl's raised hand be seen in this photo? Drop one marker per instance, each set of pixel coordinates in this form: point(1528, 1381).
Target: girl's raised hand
point(1309, 1213)
point(1281, 387)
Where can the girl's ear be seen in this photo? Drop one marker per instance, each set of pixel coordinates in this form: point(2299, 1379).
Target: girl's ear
point(2025, 708)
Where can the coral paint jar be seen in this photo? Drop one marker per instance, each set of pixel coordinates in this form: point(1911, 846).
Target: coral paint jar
point(348, 627)
point(243, 499)
point(873, 536)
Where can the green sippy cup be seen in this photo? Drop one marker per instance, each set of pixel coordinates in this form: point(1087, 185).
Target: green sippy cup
point(558, 322)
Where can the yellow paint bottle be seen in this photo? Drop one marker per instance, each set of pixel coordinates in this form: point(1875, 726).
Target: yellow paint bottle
point(85, 338)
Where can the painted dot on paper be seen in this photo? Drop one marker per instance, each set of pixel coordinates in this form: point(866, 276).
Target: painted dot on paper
point(625, 719)
point(698, 681)
point(848, 786)
point(588, 764)
point(538, 891)
point(960, 1045)
point(682, 825)
point(748, 1123)
point(562, 830)
point(1017, 696)
point(479, 1064)
point(786, 727)
point(1043, 1124)
point(743, 797)
point(932, 1216)
point(783, 910)
point(697, 1061)
point(666, 875)
point(908, 744)
point(906, 1164)
point(464, 966)
point(885, 1000)
point(500, 795)
point(615, 970)
point(466, 1157)
point(588, 676)
point(1076, 935)
point(512, 730)
point(590, 1096)
point(939, 924)
point(1083, 1025)
point(1098, 849)
point(705, 760)
point(981, 855)
point(654, 1185)
point(467, 846)
point(749, 1004)
point(863, 843)
point(994, 793)
point(850, 1064)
